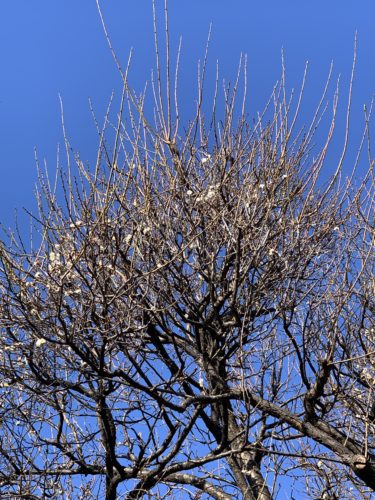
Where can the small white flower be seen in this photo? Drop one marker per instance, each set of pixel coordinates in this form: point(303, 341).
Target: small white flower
point(210, 194)
point(284, 176)
point(40, 342)
point(75, 224)
point(205, 159)
point(261, 186)
point(128, 238)
point(52, 256)
point(189, 192)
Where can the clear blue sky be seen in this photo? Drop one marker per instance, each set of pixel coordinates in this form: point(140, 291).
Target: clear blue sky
point(57, 46)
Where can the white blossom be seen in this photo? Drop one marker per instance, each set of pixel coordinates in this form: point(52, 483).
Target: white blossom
point(210, 193)
point(40, 342)
point(77, 223)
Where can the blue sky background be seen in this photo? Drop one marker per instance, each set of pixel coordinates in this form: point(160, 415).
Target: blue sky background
point(52, 47)
point(49, 47)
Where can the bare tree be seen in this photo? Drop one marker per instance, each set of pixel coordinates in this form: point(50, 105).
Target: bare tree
point(197, 319)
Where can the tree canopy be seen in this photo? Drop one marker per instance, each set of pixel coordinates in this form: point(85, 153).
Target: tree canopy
point(197, 317)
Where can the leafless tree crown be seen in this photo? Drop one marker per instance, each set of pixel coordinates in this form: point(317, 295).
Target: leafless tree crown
point(197, 318)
